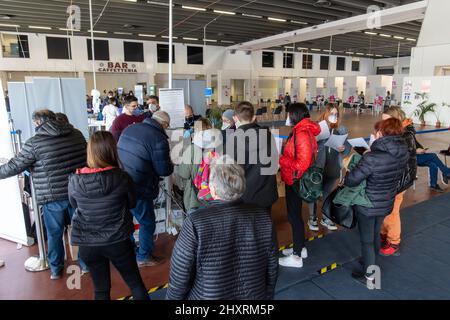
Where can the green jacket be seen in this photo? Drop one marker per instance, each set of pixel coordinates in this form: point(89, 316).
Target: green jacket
point(356, 195)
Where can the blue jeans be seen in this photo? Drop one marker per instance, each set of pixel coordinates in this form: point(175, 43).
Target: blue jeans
point(145, 215)
point(432, 161)
point(54, 214)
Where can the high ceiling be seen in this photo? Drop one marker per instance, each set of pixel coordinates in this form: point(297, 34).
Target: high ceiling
point(251, 19)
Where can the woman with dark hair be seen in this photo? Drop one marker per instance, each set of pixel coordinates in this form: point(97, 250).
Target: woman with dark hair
point(103, 195)
point(297, 157)
point(331, 161)
point(382, 168)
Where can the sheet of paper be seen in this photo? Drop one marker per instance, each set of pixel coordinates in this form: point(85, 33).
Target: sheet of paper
point(336, 141)
point(372, 139)
point(358, 142)
point(324, 131)
point(172, 101)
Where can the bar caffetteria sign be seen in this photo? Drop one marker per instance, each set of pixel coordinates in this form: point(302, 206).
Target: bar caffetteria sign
point(116, 67)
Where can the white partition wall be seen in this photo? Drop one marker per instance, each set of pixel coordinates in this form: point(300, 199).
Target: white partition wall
point(66, 95)
point(12, 223)
point(349, 87)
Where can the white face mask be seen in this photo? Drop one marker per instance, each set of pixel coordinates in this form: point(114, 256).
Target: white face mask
point(153, 108)
point(238, 124)
point(225, 126)
point(288, 122)
point(332, 118)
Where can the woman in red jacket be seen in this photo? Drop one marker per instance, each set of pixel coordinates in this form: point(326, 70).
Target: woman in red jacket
point(305, 132)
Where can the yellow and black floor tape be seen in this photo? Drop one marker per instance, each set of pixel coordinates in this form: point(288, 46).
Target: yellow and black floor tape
point(328, 268)
point(319, 236)
point(151, 290)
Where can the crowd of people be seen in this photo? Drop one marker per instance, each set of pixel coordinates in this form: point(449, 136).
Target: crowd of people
point(227, 247)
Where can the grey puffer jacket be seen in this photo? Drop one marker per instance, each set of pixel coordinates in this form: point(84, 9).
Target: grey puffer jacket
point(52, 154)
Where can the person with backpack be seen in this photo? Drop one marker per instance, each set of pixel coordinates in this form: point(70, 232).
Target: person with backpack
point(192, 171)
point(391, 228)
point(331, 161)
point(103, 195)
point(297, 157)
point(382, 168)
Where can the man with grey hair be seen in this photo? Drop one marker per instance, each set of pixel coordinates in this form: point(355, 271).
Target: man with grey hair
point(55, 151)
point(209, 260)
point(145, 155)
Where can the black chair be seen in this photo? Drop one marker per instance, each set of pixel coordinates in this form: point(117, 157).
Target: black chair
point(445, 153)
point(264, 110)
point(259, 112)
point(277, 110)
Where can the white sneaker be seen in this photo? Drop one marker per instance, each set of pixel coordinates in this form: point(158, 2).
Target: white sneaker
point(288, 252)
point(293, 261)
point(313, 225)
point(329, 225)
point(2, 263)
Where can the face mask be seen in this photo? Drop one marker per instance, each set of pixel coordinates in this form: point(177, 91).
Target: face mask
point(190, 120)
point(332, 118)
point(288, 122)
point(136, 112)
point(225, 126)
point(238, 124)
point(153, 107)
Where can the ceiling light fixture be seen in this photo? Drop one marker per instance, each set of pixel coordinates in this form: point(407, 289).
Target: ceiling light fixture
point(276, 19)
point(350, 52)
point(371, 33)
point(411, 39)
point(9, 25)
point(158, 3)
point(315, 49)
point(360, 53)
point(298, 22)
point(226, 41)
point(225, 12)
point(322, 3)
point(299, 48)
point(193, 8)
point(251, 16)
point(209, 40)
point(167, 37)
point(124, 33)
point(97, 31)
point(190, 39)
point(39, 27)
point(399, 37)
point(379, 55)
point(66, 29)
point(146, 35)
point(385, 35)
point(327, 50)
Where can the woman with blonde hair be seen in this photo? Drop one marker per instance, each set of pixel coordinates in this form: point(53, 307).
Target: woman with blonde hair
point(103, 195)
point(331, 161)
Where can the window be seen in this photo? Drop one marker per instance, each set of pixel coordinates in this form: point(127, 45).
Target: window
point(355, 65)
point(324, 62)
point(14, 46)
point(267, 59)
point(307, 61)
point(288, 60)
point(58, 48)
point(340, 63)
point(133, 51)
point(195, 55)
point(385, 70)
point(101, 49)
point(163, 53)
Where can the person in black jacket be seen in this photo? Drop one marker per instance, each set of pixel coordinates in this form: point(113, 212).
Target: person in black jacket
point(382, 168)
point(103, 195)
point(52, 154)
point(255, 149)
point(145, 156)
point(227, 250)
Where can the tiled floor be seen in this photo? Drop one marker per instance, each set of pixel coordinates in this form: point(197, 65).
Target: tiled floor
point(16, 283)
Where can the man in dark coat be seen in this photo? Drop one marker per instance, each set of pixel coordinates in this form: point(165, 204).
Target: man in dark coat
point(145, 155)
point(255, 149)
point(52, 154)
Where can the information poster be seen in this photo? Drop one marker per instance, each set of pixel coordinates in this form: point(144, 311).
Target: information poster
point(139, 93)
point(12, 223)
point(172, 102)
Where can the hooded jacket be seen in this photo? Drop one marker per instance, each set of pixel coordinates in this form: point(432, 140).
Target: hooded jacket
point(382, 168)
point(411, 167)
point(145, 155)
point(299, 161)
point(255, 149)
point(202, 142)
point(52, 154)
point(102, 199)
